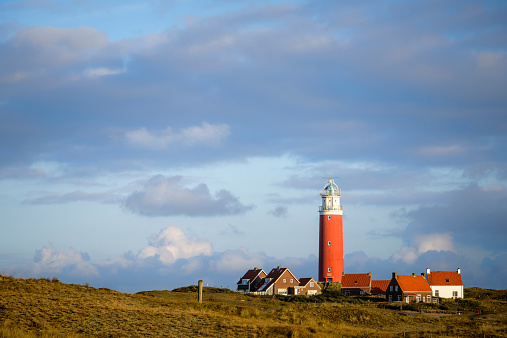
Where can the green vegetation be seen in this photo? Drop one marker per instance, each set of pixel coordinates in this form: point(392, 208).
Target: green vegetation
point(48, 308)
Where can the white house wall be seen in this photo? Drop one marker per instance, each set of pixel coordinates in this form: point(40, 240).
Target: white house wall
point(445, 291)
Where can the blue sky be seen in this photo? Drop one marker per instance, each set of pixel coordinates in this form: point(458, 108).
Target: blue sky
point(147, 145)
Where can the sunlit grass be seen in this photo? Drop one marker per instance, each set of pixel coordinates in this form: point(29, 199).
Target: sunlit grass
point(48, 308)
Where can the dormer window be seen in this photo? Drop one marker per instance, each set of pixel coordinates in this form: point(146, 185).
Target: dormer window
point(355, 282)
point(447, 280)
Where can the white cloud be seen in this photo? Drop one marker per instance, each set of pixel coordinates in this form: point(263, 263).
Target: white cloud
point(172, 244)
point(102, 71)
point(205, 134)
point(49, 260)
point(237, 260)
point(421, 244)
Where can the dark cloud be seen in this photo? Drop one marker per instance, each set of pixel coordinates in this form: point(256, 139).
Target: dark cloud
point(279, 211)
point(431, 84)
point(475, 216)
point(165, 196)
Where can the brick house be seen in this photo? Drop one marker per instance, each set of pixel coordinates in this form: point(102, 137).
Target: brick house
point(251, 280)
point(445, 284)
point(278, 282)
point(309, 287)
point(408, 288)
point(356, 283)
point(379, 287)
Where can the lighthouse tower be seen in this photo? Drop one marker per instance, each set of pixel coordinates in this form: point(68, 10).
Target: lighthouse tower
point(330, 234)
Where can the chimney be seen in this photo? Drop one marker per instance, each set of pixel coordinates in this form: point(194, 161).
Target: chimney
point(369, 273)
point(428, 271)
point(256, 268)
point(459, 271)
point(279, 267)
point(413, 274)
point(395, 275)
point(423, 274)
point(343, 273)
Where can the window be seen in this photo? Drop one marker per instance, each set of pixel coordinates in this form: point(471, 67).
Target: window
point(436, 293)
point(447, 280)
point(424, 299)
point(292, 280)
point(390, 288)
point(244, 281)
point(329, 243)
point(396, 288)
point(399, 297)
point(284, 280)
point(311, 284)
point(329, 217)
point(328, 269)
point(390, 298)
point(361, 292)
point(455, 294)
point(418, 298)
point(429, 299)
point(347, 293)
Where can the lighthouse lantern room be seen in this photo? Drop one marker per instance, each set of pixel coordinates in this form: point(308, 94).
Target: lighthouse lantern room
point(330, 234)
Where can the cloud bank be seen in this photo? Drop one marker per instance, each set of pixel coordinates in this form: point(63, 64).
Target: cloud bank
point(165, 196)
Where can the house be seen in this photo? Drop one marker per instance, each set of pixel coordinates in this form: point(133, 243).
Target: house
point(279, 281)
point(356, 283)
point(379, 287)
point(251, 280)
point(408, 288)
point(309, 287)
point(445, 284)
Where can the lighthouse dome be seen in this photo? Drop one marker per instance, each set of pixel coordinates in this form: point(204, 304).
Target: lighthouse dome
point(330, 188)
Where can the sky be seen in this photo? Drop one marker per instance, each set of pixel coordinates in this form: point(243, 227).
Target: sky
point(148, 145)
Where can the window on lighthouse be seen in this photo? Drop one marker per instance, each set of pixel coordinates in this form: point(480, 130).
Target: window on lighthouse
point(328, 269)
point(329, 217)
point(329, 243)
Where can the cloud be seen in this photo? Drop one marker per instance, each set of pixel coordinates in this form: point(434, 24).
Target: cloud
point(206, 134)
point(472, 215)
point(74, 196)
point(102, 71)
point(237, 260)
point(49, 261)
point(165, 196)
point(172, 244)
point(280, 211)
point(422, 243)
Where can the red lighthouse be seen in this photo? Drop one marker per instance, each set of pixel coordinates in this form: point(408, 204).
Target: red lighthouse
point(330, 234)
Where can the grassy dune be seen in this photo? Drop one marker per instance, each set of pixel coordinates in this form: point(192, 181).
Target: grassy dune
point(48, 308)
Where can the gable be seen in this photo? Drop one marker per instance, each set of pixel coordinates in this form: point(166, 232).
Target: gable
point(252, 274)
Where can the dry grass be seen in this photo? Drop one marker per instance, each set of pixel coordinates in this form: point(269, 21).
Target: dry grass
point(48, 308)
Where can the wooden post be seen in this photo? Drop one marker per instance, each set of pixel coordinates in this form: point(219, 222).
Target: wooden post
point(199, 297)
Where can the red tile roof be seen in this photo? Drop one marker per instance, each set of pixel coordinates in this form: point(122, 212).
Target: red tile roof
point(251, 274)
point(351, 280)
point(379, 286)
point(413, 283)
point(444, 278)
